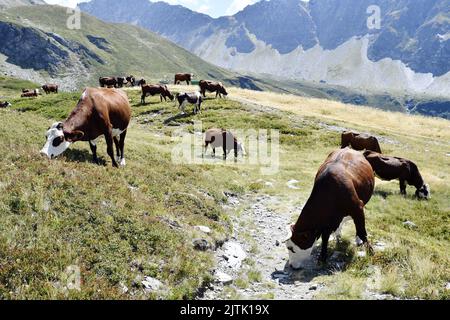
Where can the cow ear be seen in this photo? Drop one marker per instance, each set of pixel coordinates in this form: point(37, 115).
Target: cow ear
point(292, 228)
point(60, 126)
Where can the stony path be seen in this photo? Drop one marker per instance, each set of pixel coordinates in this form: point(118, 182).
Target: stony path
point(257, 247)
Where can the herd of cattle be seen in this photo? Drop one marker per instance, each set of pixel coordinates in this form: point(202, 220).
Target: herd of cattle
point(343, 186)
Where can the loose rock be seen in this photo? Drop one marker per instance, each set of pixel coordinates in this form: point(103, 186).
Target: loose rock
point(201, 244)
point(204, 229)
point(223, 278)
point(410, 225)
point(151, 284)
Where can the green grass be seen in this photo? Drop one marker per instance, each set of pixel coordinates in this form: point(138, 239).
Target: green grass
point(114, 225)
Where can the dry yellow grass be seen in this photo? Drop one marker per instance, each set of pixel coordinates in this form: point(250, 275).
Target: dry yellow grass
point(413, 126)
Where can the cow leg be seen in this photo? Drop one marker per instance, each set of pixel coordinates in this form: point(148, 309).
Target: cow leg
point(143, 99)
point(214, 152)
point(122, 148)
point(324, 252)
point(206, 148)
point(94, 151)
point(403, 187)
point(360, 224)
point(116, 143)
point(110, 148)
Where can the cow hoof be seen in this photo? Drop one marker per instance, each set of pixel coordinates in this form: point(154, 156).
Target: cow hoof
point(123, 163)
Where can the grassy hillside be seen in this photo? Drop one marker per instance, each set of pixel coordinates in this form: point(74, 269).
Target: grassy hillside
point(120, 49)
point(119, 226)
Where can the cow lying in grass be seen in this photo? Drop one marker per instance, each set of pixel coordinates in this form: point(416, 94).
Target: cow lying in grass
point(343, 186)
point(5, 104)
point(211, 86)
point(194, 98)
point(392, 168)
point(30, 94)
point(219, 138)
point(360, 142)
point(99, 112)
point(152, 90)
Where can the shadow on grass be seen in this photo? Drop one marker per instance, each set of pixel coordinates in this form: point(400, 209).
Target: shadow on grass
point(171, 120)
point(339, 258)
point(75, 155)
point(382, 193)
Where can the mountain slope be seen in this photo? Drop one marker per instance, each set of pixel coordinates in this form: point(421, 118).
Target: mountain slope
point(296, 40)
point(16, 3)
point(37, 45)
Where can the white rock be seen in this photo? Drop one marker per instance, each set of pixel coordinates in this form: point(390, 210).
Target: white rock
point(361, 254)
point(447, 287)
point(223, 278)
point(410, 224)
point(291, 184)
point(234, 254)
point(152, 284)
point(204, 229)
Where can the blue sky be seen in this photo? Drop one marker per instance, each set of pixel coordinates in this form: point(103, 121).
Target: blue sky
point(214, 8)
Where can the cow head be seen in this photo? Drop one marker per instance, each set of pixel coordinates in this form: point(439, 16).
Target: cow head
point(223, 91)
point(300, 247)
point(56, 142)
point(424, 192)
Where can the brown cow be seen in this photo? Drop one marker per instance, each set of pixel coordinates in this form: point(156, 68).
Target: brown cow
point(392, 168)
point(343, 186)
point(211, 86)
point(99, 112)
point(108, 82)
point(49, 88)
point(30, 94)
point(220, 138)
point(360, 141)
point(152, 90)
point(180, 77)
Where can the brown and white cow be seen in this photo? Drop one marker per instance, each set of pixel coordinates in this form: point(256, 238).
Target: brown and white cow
point(360, 141)
point(108, 82)
point(152, 90)
point(393, 168)
point(220, 138)
point(194, 98)
point(211, 86)
point(50, 88)
point(30, 94)
point(180, 77)
point(100, 112)
point(343, 186)
point(5, 104)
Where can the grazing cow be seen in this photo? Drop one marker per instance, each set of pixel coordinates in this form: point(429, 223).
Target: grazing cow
point(152, 90)
point(108, 82)
point(141, 82)
point(392, 168)
point(343, 186)
point(30, 94)
point(5, 104)
point(131, 80)
point(26, 90)
point(220, 138)
point(99, 112)
point(360, 142)
point(180, 77)
point(121, 81)
point(211, 86)
point(49, 88)
point(194, 98)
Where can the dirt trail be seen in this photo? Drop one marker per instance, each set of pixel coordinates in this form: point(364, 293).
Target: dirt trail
point(257, 247)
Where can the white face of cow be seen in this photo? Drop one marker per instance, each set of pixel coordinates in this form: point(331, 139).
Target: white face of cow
point(297, 256)
point(56, 143)
point(240, 148)
point(424, 192)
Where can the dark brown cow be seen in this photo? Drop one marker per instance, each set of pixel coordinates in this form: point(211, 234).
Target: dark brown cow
point(49, 88)
point(108, 82)
point(152, 90)
point(30, 94)
point(360, 141)
point(180, 77)
point(393, 168)
point(99, 112)
point(5, 104)
point(121, 81)
point(343, 186)
point(211, 86)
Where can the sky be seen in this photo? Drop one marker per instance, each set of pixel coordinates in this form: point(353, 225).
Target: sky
point(214, 8)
